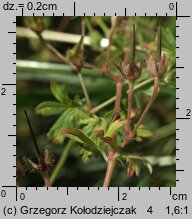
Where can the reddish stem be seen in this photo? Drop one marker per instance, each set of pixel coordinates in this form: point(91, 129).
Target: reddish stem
point(119, 84)
point(154, 95)
point(129, 107)
point(112, 158)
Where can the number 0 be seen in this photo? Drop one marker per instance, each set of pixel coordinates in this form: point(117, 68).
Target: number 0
point(171, 6)
point(22, 196)
point(3, 193)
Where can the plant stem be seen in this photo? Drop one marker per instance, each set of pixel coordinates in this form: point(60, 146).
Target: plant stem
point(153, 97)
point(33, 136)
point(129, 107)
point(131, 84)
point(61, 162)
point(106, 64)
point(118, 97)
point(79, 72)
point(64, 60)
point(112, 99)
point(85, 91)
point(44, 172)
point(112, 159)
point(46, 179)
point(100, 69)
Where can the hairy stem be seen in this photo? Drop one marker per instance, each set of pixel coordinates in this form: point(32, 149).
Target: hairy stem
point(153, 97)
point(118, 97)
point(62, 161)
point(112, 99)
point(129, 107)
point(131, 84)
point(112, 158)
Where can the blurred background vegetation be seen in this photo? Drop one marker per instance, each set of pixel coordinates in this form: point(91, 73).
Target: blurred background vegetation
point(37, 66)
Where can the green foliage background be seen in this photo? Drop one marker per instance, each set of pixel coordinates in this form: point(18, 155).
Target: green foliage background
point(36, 67)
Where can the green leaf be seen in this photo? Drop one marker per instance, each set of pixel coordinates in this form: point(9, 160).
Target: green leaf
point(79, 136)
point(49, 108)
point(69, 118)
point(77, 101)
point(86, 155)
point(133, 162)
point(114, 126)
point(111, 142)
point(143, 133)
point(148, 165)
point(60, 92)
point(133, 167)
point(92, 124)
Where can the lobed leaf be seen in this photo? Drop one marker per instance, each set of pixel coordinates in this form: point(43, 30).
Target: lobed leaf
point(49, 108)
point(86, 155)
point(81, 137)
point(111, 142)
point(60, 92)
point(68, 119)
point(143, 133)
point(133, 164)
point(114, 126)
